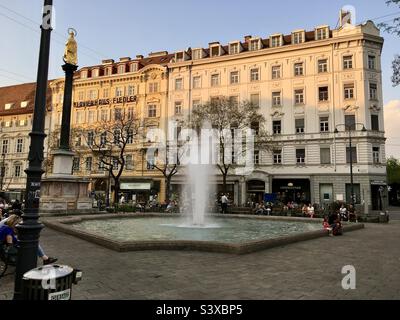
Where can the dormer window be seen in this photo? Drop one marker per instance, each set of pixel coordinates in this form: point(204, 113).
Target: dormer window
point(276, 41)
point(234, 48)
point(215, 51)
point(95, 73)
point(8, 106)
point(321, 33)
point(134, 67)
point(254, 44)
point(84, 74)
point(121, 69)
point(297, 37)
point(107, 71)
point(24, 104)
point(197, 54)
point(179, 57)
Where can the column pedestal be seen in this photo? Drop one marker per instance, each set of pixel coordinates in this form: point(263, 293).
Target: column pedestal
point(61, 192)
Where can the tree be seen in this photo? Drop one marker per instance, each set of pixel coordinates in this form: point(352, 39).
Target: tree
point(393, 28)
point(224, 115)
point(393, 170)
point(108, 140)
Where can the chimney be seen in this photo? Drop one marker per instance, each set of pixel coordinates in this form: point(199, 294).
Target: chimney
point(124, 59)
point(107, 61)
point(247, 38)
point(139, 56)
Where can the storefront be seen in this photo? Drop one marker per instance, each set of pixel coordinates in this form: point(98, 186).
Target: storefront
point(255, 191)
point(296, 190)
point(140, 191)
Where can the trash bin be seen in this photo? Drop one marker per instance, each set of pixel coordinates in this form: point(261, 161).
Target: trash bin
point(50, 282)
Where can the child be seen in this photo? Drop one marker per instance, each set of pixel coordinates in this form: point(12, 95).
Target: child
point(327, 226)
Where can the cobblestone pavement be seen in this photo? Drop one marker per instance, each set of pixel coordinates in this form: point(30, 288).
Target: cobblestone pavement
point(306, 270)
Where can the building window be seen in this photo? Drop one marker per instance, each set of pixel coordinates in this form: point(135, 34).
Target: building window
point(349, 91)
point(323, 66)
point(117, 136)
point(277, 127)
point(254, 74)
point(17, 171)
point(300, 156)
point(353, 154)
point(90, 138)
point(371, 62)
point(129, 162)
point(298, 69)
point(153, 87)
point(234, 77)
point(197, 54)
point(255, 99)
point(196, 103)
point(323, 94)
point(95, 73)
point(276, 99)
point(84, 74)
point(179, 56)
point(256, 156)
point(179, 84)
point(350, 122)
point(196, 82)
point(107, 71)
point(129, 136)
point(115, 164)
point(254, 45)
point(275, 41)
point(234, 100)
point(299, 96)
point(152, 111)
point(117, 114)
point(215, 51)
point(373, 91)
point(234, 48)
point(89, 163)
point(119, 92)
point(151, 162)
point(214, 80)
point(20, 145)
point(277, 155)
point(121, 69)
point(104, 115)
point(78, 141)
point(348, 62)
point(102, 165)
point(91, 117)
point(5, 147)
point(324, 124)
point(321, 33)
point(178, 107)
point(75, 164)
point(103, 139)
point(134, 67)
point(374, 122)
point(81, 95)
point(131, 91)
point(299, 123)
point(376, 155)
point(276, 72)
point(106, 93)
point(297, 37)
point(325, 155)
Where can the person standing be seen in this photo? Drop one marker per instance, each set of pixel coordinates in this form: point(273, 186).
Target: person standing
point(224, 203)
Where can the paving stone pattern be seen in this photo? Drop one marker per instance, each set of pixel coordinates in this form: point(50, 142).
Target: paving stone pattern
point(305, 270)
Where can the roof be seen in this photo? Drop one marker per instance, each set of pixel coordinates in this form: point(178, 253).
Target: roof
point(19, 93)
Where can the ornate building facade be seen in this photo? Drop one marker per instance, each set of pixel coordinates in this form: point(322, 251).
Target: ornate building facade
point(316, 90)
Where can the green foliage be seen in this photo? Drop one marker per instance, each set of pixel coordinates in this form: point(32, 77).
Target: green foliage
point(393, 170)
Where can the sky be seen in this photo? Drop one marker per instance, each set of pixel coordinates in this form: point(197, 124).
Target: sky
point(119, 28)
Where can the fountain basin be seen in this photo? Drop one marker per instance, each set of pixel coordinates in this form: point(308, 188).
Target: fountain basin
point(238, 234)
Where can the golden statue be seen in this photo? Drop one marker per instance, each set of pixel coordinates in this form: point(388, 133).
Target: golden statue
point(71, 49)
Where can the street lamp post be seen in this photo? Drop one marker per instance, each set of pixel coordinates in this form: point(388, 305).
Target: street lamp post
point(350, 128)
point(3, 170)
point(29, 229)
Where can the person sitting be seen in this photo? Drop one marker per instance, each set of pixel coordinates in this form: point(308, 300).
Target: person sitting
point(259, 209)
point(343, 213)
point(310, 211)
point(327, 226)
point(304, 210)
point(352, 214)
point(8, 238)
